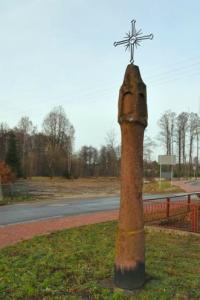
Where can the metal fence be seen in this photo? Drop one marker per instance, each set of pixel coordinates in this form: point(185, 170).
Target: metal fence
point(178, 212)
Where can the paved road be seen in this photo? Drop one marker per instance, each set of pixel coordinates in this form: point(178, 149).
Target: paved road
point(26, 212)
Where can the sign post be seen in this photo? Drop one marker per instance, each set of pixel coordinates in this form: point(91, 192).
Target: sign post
point(169, 160)
point(194, 169)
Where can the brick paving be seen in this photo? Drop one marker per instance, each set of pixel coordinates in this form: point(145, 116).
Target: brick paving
point(186, 186)
point(15, 233)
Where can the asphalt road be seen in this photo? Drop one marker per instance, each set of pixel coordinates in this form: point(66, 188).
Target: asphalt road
point(26, 212)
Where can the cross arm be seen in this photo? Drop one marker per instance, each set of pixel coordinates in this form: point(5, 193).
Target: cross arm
point(145, 37)
point(121, 42)
point(133, 30)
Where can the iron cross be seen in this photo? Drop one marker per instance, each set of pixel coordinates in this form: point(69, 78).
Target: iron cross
point(133, 39)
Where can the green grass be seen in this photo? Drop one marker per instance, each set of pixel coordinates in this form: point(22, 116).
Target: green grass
point(156, 187)
point(71, 264)
point(17, 199)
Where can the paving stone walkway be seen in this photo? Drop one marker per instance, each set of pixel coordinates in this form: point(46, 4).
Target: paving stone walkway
point(187, 186)
point(12, 234)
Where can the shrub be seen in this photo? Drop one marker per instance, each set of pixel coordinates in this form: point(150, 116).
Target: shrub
point(6, 173)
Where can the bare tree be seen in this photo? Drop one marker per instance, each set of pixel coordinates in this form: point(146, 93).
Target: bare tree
point(111, 138)
point(197, 144)
point(4, 129)
point(112, 154)
point(24, 132)
point(88, 161)
point(60, 133)
point(181, 132)
point(193, 129)
point(149, 146)
point(167, 131)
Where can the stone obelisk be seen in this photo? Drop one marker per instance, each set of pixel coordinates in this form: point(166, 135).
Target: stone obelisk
point(130, 245)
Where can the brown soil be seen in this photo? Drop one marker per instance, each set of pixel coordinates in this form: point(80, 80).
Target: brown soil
point(43, 187)
point(58, 187)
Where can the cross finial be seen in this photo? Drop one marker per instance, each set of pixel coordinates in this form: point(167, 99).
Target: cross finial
point(133, 39)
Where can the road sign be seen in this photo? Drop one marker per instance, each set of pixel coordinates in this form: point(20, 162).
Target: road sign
point(167, 159)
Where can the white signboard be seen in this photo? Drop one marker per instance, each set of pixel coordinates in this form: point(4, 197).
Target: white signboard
point(167, 159)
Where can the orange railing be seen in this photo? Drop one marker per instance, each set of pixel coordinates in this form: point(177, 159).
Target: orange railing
point(174, 211)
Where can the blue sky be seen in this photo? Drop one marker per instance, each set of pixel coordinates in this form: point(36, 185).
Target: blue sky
point(60, 52)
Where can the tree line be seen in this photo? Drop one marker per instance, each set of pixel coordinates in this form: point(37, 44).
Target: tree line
point(32, 153)
point(180, 135)
point(50, 152)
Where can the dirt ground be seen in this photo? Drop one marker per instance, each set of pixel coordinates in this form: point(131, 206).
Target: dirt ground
point(44, 187)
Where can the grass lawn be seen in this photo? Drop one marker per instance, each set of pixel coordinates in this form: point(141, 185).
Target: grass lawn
point(155, 187)
point(16, 199)
point(71, 264)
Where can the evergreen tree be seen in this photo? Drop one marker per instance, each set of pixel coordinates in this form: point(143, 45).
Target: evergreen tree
point(12, 155)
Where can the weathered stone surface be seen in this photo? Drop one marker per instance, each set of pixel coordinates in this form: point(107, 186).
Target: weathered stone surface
point(130, 250)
